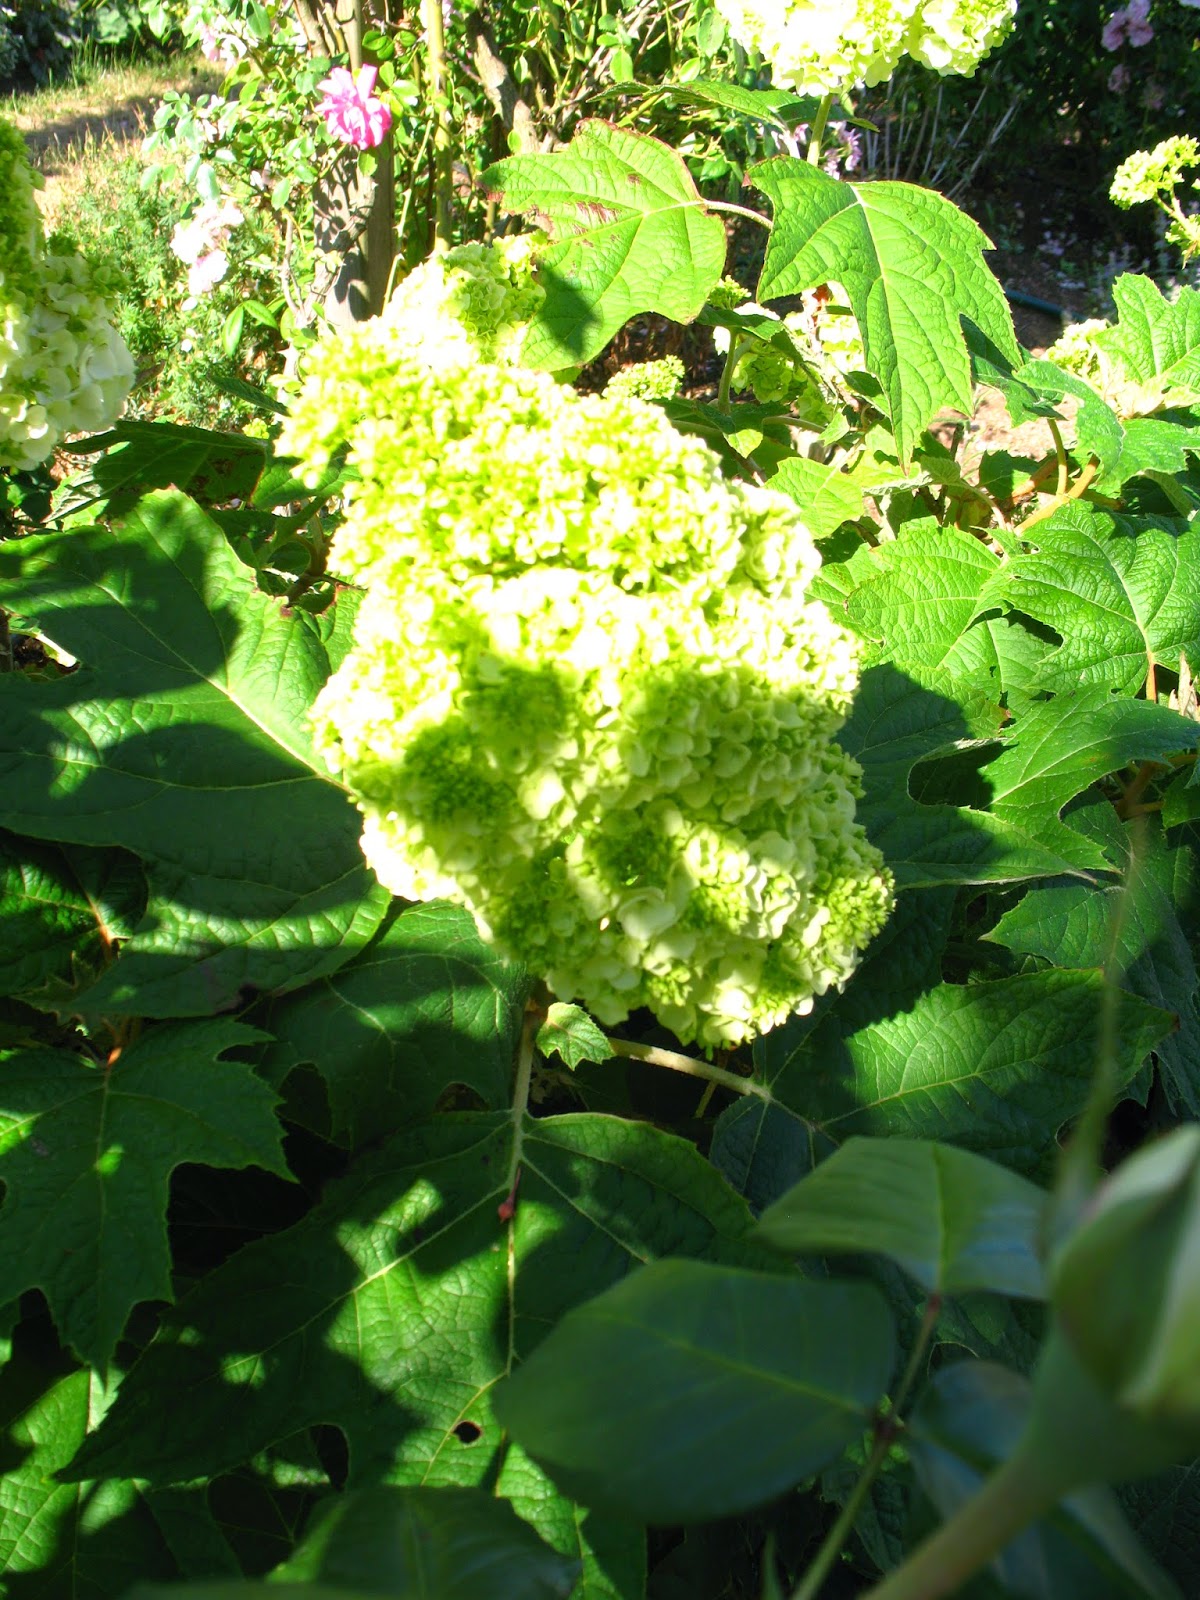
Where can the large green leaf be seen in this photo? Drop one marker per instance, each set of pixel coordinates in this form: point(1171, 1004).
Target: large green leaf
point(181, 737)
point(63, 1541)
point(394, 1308)
point(826, 495)
point(760, 1146)
point(1140, 927)
point(425, 1005)
point(629, 233)
point(917, 598)
point(1123, 593)
point(897, 722)
point(912, 265)
point(86, 1150)
point(995, 1067)
point(1063, 746)
point(950, 1219)
point(690, 1391)
point(1156, 341)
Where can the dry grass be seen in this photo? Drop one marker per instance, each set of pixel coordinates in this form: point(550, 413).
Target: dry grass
point(115, 103)
point(71, 128)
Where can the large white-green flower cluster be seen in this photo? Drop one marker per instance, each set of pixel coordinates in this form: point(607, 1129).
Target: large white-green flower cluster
point(63, 366)
point(824, 46)
point(587, 695)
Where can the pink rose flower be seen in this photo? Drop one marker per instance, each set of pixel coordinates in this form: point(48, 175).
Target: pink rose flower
point(352, 112)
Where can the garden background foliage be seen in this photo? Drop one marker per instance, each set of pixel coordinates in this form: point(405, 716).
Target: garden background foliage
point(331, 1250)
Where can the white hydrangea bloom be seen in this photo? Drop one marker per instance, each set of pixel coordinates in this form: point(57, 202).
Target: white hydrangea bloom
point(587, 695)
point(63, 366)
point(824, 46)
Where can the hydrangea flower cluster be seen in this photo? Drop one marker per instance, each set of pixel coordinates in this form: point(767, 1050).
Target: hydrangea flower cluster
point(587, 694)
point(647, 380)
point(63, 366)
point(825, 46)
point(1153, 174)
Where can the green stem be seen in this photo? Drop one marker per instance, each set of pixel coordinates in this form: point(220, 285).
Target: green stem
point(736, 346)
point(1060, 453)
point(1013, 1497)
point(737, 211)
point(831, 1545)
point(439, 84)
point(818, 131)
point(655, 1057)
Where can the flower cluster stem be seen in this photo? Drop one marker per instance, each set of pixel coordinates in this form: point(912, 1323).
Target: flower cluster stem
point(672, 1059)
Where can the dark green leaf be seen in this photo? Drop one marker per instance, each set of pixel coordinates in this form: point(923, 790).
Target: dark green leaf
point(85, 1154)
point(692, 1391)
point(136, 456)
point(66, 1541)
point(952, 1220)
point(425, 1005)
point(427, 1544)
point(62, 911)
point(1075, 925)
point(388, 1312)
point(181, 738)
point(996, 1067)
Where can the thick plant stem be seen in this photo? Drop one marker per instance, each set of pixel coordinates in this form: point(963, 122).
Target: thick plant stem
point(818, 131)
point(1012, 1498)
point(695, 1068)
point(438, 96)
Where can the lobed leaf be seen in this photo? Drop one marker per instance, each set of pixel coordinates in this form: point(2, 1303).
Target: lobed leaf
point(85, 1154)
point(911, 264)
point(628, 233)
point(181, 738)
point(1122, 592)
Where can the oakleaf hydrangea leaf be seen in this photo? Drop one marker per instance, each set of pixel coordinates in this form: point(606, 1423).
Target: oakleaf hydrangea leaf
point(86, 1150)
point(181, 737)
point(995, 1067)
point(569, 1032)
point(393, 1309)
point(420, 1543)
point(1064, 745)
point(911, 264)
point(1156, 341)
point(427, 1004)
point(920, 601)
point(1149, 911)
point(628, 231)
point(1123, 592)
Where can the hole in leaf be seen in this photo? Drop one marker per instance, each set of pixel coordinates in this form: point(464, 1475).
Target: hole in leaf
point(467, 1432)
